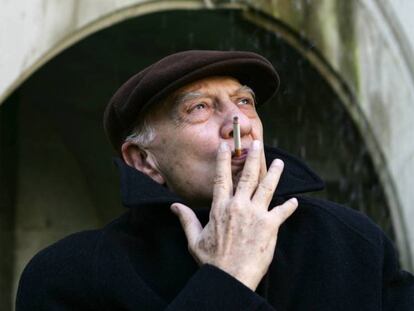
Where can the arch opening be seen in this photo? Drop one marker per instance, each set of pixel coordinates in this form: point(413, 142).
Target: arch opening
point(65, 181)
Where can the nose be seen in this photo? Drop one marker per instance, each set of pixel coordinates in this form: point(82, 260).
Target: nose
point(226, 130)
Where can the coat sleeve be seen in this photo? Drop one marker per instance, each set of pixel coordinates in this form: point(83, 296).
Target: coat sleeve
point(60, 277)
point(70, 276)
point(209, 289)
point(398, 285)
point(213, 289)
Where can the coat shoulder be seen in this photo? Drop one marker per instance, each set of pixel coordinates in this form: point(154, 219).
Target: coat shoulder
point(340, 218)
point(65, 266)
point(76, 247)
point(76, 250)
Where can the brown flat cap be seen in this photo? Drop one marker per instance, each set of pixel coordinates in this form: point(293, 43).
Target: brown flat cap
point(152, 84)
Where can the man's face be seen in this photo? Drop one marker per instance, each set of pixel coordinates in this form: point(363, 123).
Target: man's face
point(190, 126)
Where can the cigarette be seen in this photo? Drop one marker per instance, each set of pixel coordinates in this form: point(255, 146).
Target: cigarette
point(236, 137)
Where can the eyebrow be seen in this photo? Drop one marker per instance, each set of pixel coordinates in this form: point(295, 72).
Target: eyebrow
point(245, 88)
point(180, 99)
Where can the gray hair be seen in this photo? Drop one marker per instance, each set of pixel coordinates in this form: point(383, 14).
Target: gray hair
point(142, 135)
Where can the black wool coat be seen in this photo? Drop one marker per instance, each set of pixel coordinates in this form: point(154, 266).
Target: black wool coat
point(328, 257)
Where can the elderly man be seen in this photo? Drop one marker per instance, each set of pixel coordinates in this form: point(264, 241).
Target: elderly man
point(206, 228)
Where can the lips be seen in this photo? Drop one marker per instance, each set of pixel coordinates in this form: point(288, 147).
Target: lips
point(238, 161)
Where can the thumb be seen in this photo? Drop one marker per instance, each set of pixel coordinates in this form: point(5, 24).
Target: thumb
point(189, 221)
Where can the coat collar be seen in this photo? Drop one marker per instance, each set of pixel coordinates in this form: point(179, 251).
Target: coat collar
point(137, 189)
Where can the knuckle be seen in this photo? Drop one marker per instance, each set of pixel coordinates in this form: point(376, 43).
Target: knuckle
point(271, 227)
point(222, 156)
point(244, 186)
point(214, 215)
point(219, 180)
point(285, 211)
point(267, 188)
point(268, 223)
point(263, 222)
point(254, 155)
point(246, 180)
point(246, 177)
point(186, 221)
point(236, 207)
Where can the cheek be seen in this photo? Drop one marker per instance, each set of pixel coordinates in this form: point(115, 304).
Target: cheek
point(184, 152)
point(257, 129)
point(199, 143)
point(187, 150)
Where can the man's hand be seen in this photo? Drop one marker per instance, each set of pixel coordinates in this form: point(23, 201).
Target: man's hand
point(240, 237)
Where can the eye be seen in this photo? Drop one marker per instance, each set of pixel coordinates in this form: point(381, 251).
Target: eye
point(198, 107)
point(246, 101)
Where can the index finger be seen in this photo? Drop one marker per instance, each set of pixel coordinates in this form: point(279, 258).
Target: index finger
point(250, 175)
point(223, 183)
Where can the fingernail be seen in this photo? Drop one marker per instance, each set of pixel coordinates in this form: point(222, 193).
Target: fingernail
point(294, 201)
point(277, 162)
point(174, 208)
point(256, 144)
point(224, 147)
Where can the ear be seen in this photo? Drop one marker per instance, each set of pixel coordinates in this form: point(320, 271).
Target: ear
point(138, 158)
